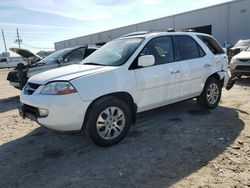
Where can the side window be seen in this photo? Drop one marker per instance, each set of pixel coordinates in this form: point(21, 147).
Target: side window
point(89, 51)
point(161, 48)
point(211, 44)
point(188, 48)
point(74, 57)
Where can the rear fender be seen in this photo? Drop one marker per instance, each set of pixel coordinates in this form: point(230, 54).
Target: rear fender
point(224, 76)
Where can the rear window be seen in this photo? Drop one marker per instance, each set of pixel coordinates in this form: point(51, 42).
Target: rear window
point(214, 47)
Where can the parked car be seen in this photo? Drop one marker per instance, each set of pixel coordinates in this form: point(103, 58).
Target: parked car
point(132, 74)
point(19, 76)
point(240, 46)
point(3, 60)
point(240, 64)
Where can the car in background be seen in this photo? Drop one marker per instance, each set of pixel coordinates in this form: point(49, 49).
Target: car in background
point(19, 76)
point(240, 46)
point(129, 75)
point(240, 64)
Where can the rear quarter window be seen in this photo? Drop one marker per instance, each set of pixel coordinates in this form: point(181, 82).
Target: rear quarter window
point(212, 44)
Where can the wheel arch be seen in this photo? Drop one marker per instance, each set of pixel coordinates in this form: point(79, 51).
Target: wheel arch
point(218, 76)
point(124, 96)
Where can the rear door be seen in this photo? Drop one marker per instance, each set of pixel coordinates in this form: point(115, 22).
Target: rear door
point(158, 85)
point(194, 67)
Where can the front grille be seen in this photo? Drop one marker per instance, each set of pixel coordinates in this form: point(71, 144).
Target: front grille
point(245, 60)
point(243, 68)
point(30, 88)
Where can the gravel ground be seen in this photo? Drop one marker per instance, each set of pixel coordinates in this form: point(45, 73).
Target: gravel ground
point(179, 145)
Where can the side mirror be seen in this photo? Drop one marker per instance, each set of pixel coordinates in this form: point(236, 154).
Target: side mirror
point(60, 60)
point(146, 61)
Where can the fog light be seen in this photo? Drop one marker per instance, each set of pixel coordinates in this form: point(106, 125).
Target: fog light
point(43, 112)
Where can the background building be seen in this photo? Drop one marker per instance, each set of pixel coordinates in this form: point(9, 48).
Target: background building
point(227, 22)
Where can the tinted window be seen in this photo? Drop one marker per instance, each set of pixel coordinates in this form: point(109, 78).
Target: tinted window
point(52, 58)
point(161, 48)
point(212, 44)
point(188, 48)
point(74, 57)
point(89, 51)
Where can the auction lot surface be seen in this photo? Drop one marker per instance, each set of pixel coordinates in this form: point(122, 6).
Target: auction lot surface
point(179, 145)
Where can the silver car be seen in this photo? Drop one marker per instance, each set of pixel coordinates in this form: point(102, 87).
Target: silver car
point(240, 64)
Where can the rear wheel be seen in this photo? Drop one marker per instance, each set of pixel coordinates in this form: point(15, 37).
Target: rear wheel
point(108, 122)
point(211, 94)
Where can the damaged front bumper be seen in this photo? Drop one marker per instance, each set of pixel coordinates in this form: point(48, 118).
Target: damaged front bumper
point(17, 78)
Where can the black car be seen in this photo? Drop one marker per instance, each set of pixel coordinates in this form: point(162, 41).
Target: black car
point(19, 76)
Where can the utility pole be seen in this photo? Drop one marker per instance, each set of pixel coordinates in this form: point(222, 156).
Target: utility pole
point(4, 42)
point(18, 40)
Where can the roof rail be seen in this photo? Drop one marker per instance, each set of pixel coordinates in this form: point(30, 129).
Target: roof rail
point(171, 30)
point(136, 33)
point(188, 30)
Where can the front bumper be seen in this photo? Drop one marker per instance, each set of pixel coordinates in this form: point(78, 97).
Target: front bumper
point(66, 112)
point(17, 78)
point(240, 69)
point(15, 84)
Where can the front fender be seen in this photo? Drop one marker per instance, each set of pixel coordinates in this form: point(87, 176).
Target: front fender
point(93, 86)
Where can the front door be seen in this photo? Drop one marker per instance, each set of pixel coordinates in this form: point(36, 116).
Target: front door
point(158, 85)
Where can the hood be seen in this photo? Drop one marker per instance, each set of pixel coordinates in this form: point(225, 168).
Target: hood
point(241, 48)
point(68, 73)
point(243, 55)
point(26, 54)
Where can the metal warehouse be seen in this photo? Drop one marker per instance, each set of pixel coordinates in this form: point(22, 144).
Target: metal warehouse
point(227, 22)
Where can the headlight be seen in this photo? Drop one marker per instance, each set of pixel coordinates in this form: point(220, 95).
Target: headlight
point(232, 60)
point(58, 88)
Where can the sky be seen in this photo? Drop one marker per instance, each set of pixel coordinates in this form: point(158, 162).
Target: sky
point(41, 23)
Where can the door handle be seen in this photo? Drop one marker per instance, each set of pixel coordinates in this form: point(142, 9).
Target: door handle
point(207, 65)
point(175, 72)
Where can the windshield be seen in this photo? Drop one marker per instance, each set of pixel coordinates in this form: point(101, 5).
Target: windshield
point(114, 53)
point(54, 56)
point(242, 43)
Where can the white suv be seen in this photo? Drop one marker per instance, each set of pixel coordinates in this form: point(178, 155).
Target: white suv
point(134, 73)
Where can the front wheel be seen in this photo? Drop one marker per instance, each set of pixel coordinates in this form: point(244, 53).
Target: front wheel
point(108, 122)
point(211, 94)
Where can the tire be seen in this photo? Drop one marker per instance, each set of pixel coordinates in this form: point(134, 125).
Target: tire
point(211, 94)
point(108, 121)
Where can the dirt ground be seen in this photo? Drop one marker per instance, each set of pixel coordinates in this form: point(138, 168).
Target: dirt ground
point(179, 145)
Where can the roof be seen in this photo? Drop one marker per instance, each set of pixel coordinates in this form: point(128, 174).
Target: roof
point(147, 34)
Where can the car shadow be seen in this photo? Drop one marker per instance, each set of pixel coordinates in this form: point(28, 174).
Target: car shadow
point(9, 104)
point(243, 81)
point(164, 146)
